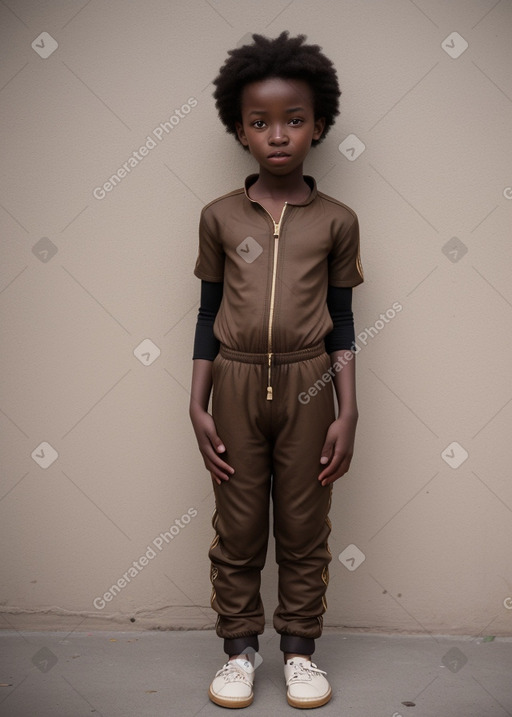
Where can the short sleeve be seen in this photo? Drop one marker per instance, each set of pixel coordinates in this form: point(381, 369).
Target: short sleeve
point(210, 261)
point(345, 267)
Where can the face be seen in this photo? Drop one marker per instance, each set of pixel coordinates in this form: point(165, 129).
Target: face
point(278, 123)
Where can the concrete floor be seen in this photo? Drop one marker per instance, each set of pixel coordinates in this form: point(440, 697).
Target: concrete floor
point(114, 674)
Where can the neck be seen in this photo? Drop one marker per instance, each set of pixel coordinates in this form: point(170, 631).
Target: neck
point(281, 187)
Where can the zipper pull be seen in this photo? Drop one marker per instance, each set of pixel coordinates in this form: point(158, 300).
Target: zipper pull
point(269, 387)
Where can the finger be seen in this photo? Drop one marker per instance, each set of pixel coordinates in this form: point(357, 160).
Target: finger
point(335, 474)
point(219, 475)
point(327, 451)
point(331, 478)
point(214, 460)
point(216, 465)
point(222, 471)
point(219, 447)
point(333, 471)
point(223, 466)
point(216, 442)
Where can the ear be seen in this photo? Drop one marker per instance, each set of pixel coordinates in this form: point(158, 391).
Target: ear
point(319, 127)
point(241, 134)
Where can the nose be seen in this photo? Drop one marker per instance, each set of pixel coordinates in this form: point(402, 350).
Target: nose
point(277, 135)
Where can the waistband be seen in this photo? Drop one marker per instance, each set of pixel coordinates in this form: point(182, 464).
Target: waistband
point(277, 358)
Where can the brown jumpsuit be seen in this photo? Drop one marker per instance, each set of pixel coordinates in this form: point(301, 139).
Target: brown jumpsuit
point(271, 326)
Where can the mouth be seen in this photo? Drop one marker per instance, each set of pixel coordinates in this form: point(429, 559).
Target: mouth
point(277, 155)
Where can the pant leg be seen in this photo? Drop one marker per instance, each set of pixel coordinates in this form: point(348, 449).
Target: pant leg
point(301, 503)
point(241, 517)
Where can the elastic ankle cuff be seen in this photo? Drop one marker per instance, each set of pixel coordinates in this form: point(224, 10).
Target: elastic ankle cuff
point(298, 645)
point(240, 645)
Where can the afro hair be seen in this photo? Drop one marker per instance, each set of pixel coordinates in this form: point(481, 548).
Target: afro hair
point(283, 57)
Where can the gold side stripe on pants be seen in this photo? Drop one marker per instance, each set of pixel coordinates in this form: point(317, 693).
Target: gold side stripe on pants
point(325, 575)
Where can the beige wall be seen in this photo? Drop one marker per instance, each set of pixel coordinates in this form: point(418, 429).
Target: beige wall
point(436, 538)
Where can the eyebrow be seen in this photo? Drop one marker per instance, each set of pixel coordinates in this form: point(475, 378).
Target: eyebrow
point(289, 111)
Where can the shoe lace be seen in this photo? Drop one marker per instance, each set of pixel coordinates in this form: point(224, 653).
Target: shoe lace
point(302, 671)
point(232, 673)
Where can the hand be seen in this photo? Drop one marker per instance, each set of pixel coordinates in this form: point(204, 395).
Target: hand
point(338, 449)
point(210, 446)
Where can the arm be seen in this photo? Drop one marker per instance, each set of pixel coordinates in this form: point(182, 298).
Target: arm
point(339, 443)
point(206, 347)
point(208, 441)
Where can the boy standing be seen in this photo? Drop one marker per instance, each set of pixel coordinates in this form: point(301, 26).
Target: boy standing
point(278, 260)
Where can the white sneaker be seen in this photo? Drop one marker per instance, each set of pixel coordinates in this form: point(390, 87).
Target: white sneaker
point(306, 685)
point(232, 685)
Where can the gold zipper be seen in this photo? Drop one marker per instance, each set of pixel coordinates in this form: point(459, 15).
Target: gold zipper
point(277, 227)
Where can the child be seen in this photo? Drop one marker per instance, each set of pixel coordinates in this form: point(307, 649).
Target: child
point(277, 262)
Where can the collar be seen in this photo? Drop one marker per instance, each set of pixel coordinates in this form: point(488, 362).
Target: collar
point(307, 178)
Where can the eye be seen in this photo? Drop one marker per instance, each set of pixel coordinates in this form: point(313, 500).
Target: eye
point(258, 124)
point(296, 122)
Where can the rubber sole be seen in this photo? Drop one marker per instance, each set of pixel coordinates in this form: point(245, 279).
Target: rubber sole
point(235, 704)
point(309, 704)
